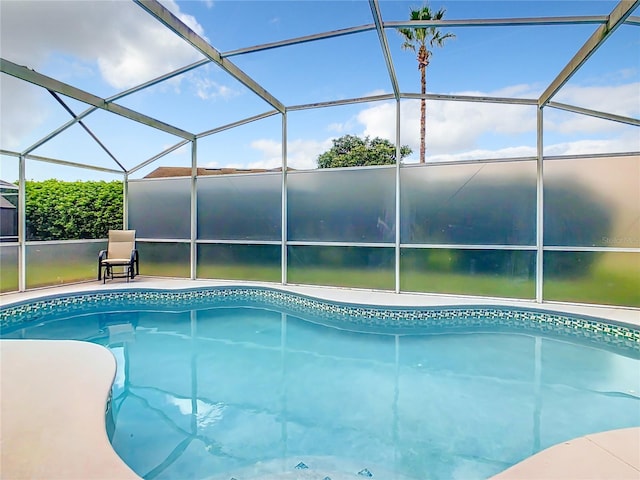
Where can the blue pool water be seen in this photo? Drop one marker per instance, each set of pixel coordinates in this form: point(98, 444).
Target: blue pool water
point(245, 388)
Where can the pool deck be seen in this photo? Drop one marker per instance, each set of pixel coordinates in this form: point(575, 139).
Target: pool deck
point(73, 379)
point(52, 408)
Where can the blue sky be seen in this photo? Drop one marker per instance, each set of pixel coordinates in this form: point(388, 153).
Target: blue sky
point(106, 47)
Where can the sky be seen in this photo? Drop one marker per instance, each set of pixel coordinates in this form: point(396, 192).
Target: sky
point(106, 47)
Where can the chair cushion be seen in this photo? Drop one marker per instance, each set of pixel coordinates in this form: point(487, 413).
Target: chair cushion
point(116, 261)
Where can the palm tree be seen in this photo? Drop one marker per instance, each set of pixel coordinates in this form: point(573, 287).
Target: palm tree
point(419, 37)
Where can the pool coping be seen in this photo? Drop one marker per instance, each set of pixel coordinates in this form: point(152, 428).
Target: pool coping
point(623, 315)
point(354, 316)
point(612, 454)
point(77, 430)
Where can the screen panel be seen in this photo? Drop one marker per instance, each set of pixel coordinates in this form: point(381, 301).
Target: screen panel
point(364, 267)
point(496, 273)
point(160, 208)
point(8, 267)
point(240, 207)
point(171, 259)
point(606, 278)
point(469, 204)
point(240, 262)
point(592, 202)
point(342, 205)
point(8, 209)
point(58, 263)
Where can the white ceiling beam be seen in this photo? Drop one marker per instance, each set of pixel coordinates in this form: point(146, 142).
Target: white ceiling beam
point(49, 83)
point(164, 16)
point(604, 31)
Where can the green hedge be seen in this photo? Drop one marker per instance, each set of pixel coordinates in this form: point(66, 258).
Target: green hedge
point(58, 210)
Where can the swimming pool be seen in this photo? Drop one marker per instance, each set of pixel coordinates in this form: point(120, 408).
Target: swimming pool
point(248, 382)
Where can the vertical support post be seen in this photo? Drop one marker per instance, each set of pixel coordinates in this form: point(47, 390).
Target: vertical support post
point(397, 212)
point(194, 209)
point(539, 207)
point(284, 200)
point(22, 226)
point(125, 201)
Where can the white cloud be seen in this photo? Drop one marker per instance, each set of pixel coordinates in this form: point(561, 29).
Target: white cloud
point(484, 154)
point(379, 120)
point(568, 123)
point(374, 93)
point(189, 20)
point(270, 148)
point(628, 142)
point(20, 111)
point(208, 89)
point(301, 154)
point(620, 99)
point(454, 129)
point(127, 44)
point(451, 126)
point(83, 39)
point(343, 127)
point(336, 127)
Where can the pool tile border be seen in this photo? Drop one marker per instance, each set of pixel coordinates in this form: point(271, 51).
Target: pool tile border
point(390, 320)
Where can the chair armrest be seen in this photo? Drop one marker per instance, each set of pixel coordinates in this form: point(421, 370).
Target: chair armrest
point(135, 262)
point(101, 257)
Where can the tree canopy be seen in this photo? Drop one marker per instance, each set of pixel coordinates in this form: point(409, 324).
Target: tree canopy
point(354, 151)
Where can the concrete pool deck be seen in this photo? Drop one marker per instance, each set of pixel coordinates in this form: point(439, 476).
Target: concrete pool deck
point(54, 425)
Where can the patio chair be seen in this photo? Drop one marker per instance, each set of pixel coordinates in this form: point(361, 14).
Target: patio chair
point(121, 252)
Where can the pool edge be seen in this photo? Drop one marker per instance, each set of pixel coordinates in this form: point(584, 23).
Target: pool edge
point(626, 315)
point(610, 454)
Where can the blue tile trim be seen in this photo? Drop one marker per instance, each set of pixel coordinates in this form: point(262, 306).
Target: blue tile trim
point(388, 320)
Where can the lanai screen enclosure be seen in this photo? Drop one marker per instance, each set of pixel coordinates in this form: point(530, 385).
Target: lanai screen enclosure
point(530, 209)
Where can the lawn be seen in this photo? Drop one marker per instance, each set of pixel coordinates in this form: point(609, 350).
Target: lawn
point(476, 284)
point(613, 280)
